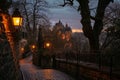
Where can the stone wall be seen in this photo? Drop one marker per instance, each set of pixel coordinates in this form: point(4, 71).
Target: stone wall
point(8, 69)
point(86, 71)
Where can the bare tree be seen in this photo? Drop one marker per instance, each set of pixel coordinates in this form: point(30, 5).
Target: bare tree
point(92, 32)
point(34, 13)
point(111, 24)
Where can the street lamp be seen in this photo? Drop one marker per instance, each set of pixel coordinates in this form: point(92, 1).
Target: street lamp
point(22, 50)
point(7, 26)
point(10, 28)
point(10, 22)
point(47, 45)
point(17, 18)
point(33, 48)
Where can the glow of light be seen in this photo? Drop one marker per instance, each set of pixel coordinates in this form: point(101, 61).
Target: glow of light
point(22, 50)
point(63, 36)
point(33, 46)
point(17, 21)
point(47, 44)
point(77, 30)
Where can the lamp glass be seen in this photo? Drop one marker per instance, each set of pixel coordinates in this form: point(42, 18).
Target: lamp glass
point(17, 21)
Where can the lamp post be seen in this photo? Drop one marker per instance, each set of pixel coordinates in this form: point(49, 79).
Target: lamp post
point(33, 49)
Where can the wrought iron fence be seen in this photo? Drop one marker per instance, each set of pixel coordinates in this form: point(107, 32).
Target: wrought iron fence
point(100, 62)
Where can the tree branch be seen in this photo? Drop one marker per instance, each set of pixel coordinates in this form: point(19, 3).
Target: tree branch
point(69, 2)
point(93, 18)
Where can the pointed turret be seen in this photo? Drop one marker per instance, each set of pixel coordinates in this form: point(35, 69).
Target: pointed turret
point(66, 25)
point(59, 21)
point(67, 28)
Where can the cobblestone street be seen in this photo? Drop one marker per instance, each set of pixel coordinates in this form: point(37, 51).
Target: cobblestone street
point(31, 72)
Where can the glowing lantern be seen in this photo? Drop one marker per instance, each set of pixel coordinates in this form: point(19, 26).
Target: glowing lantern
point(17, 18)
point(33, 46)
point(47, 44)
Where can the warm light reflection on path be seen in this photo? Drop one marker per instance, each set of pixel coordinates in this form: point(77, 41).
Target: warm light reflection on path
point(31, 72)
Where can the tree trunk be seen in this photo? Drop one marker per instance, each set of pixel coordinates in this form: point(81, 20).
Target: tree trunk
point(94, 44)
point(93, 32)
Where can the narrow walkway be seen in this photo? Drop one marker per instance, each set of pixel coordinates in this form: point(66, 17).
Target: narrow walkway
point(31, 72)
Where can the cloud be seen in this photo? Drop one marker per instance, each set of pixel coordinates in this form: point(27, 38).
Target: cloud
point(66, 14)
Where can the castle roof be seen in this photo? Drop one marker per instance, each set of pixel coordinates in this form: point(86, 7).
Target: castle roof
point(67, 28)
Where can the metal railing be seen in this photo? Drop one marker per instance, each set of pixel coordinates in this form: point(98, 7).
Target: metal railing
point(101, 64)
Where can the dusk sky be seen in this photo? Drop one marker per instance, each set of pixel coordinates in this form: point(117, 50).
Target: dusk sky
point(66, 14)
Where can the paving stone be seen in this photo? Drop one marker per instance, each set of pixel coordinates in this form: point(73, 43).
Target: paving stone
point(31, 72)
